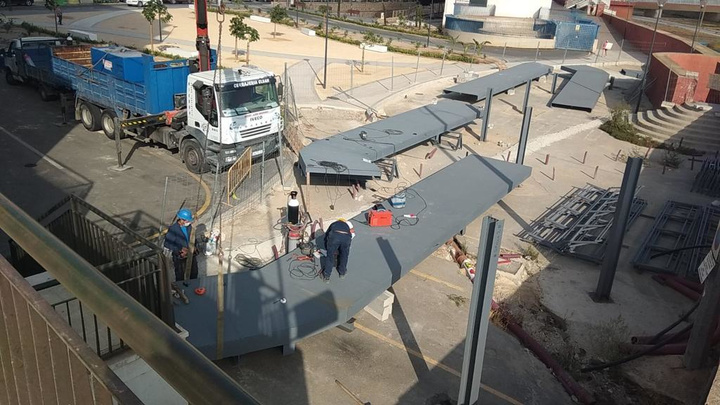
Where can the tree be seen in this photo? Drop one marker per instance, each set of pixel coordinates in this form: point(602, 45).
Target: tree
point(323, 9)
point(52, 5)
point(479, 47)
point(277, 14)
point(155, 10)
point(418, 16)
point(244, 32)
point(453, 41)
point(338, 13)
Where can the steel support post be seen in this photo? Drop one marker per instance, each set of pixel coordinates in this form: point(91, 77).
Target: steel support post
point(554, 83)
point(486, 114)
point(617, 232)
point(479, 318)
point(528, 86)
point(699, 344)
point(649, 58)
point(524, 132)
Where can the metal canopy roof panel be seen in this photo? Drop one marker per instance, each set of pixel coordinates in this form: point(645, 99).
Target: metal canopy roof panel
point(255, 318)
point(583, 89)
point(501, 81)
point(346, 153)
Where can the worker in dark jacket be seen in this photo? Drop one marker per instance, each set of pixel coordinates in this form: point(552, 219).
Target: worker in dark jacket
point(337, 241)
point(177, 241)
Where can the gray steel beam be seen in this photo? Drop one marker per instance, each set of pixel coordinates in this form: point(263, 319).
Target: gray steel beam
point(195, 377)
point(283, 303)
point(554, 83)
point(524, 133)
point(479, 318)
point(501, 81)
point(486, 114)
point(617, 233)
point(528, 86)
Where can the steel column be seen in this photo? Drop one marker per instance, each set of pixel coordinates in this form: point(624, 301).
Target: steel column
point(554, 83)
point(617, 233)
point(479, 318)
point(700, 342)
point(528, 86)
point(524, 133)
point(486, 114)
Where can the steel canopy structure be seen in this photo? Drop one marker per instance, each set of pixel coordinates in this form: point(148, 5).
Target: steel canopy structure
point(583, 89)
point(283, 303)
point(501, 81)
point(347, 153)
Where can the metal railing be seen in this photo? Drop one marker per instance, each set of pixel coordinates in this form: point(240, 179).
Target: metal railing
point(192, 375)
point(42, 358)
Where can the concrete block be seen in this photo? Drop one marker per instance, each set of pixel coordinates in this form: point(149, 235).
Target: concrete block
point(374, 47)
point(667, 104)
point(381, 307)
point(77, 34)
point(142, 380)
point(259, 19)
point(308, 32)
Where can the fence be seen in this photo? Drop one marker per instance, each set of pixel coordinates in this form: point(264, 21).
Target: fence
point(29, 365)
point(238, 172)
point(139, 273)
point(42, 358)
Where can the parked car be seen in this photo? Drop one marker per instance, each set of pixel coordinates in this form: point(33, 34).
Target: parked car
point(136, 3)
point(5, 3)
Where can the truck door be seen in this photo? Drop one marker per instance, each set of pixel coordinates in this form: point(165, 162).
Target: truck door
point(202, 110)
point(11, 57)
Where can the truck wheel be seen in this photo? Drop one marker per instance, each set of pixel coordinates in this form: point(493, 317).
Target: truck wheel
point(107, 122)
point(89, 116)
point(9, 78)
point(193, 156)
point(140, 4)
point(28, 3)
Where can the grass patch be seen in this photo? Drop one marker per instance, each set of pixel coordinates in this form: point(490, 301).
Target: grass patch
point(607, 337)
point(620, 127)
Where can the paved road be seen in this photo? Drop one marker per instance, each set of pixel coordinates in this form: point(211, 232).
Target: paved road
point(42, 161)
point(678, 23)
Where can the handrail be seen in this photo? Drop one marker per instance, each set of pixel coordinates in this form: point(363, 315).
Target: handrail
point(194, 376)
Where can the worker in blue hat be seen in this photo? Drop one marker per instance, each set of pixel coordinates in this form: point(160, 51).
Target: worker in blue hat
point(178, 241)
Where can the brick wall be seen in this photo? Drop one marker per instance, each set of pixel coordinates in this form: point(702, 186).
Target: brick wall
point(689, 75)
point(623, 10)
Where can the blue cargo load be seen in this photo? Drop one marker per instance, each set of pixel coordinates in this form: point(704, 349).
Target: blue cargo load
point(142, 88)
point(123, 63)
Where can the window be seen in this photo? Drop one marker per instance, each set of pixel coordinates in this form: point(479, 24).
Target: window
point(204, 101)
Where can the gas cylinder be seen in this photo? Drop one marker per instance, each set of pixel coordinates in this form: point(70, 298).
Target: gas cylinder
point(293, 209)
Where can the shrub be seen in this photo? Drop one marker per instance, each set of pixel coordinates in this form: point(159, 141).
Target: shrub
point(620, 127)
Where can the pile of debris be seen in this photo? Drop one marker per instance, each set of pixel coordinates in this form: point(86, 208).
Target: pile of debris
point(678, 240)
point(578, 224)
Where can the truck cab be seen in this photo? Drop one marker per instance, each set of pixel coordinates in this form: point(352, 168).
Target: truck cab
point(26, 57)
point(236, 108)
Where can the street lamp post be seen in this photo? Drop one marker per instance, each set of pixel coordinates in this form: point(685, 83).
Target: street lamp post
point(661, 4)
point(327, 32)
point(703, 3)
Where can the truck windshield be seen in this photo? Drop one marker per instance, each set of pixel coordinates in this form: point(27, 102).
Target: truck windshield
point(243, 100)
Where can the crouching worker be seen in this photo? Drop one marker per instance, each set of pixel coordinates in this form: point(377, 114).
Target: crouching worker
point(177, 241)
point(337, 241)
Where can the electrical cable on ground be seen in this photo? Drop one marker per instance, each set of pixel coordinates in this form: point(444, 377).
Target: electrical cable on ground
point(676, 323)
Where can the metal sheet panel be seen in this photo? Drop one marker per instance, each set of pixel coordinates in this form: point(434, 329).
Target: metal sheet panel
point(347, 154)
point(255, 316)
point(501, 81)
point(583, 89)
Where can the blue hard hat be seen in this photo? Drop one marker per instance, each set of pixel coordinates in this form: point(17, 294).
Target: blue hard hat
point(185, 214)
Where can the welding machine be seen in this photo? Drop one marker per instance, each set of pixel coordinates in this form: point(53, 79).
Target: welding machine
point(379, 216)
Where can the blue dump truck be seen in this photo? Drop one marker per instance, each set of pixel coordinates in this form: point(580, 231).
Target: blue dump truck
point(210, 117)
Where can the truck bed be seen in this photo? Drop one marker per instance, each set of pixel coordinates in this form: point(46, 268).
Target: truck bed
point(162, 80)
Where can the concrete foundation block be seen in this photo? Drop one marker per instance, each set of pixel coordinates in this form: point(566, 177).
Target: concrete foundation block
point(381, 307)
point(308, 32)
point(77, 34)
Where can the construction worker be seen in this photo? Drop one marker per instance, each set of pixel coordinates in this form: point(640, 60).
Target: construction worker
point(177, 241)
point(337, 241)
